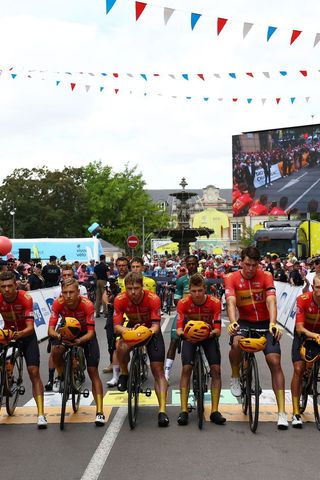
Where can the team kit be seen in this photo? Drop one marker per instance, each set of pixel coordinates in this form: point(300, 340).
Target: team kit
point(136, 317)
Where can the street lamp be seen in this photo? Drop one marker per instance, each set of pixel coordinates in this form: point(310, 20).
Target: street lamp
point(13, 212)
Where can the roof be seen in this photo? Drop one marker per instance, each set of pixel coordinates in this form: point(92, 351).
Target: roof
point(164, 194)
point(108, 246)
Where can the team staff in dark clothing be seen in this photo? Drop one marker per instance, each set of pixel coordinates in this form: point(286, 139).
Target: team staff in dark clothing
point(51, 272)
point(100, 274)
point(35, 279)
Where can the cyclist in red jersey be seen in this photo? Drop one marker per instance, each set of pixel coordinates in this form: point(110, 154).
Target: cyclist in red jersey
point(307, 326)
point(72, 304)
point(252, 292)
point(200, 306)
point(141, 307)
point(16, 309)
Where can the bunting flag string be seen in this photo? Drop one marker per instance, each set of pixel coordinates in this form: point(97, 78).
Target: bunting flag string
point(78, 87)
point(174, 76)
point(221, 22)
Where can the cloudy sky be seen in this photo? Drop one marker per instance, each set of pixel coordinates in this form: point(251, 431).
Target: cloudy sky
point(150, 123)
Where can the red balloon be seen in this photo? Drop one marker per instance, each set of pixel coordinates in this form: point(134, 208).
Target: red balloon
point(5, 245)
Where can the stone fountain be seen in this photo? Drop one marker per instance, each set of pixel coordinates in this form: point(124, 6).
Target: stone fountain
point(183, 234)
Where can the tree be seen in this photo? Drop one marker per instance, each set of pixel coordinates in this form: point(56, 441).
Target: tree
point(118, 202)
point(46, 204)
point(247, 236)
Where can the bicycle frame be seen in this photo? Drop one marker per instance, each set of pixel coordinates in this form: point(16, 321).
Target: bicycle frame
point(11, 383)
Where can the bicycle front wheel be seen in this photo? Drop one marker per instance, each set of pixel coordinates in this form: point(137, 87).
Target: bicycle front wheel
point(66, 389)
point(304, 392)
point(316, 393)
point(253, 392)
point(243, 385)
point(199, 386)
point(14, 378)
point(134, 389)
point(78, 378)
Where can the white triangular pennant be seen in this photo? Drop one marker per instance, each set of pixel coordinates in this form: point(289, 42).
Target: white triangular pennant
point(167, 13)
point(317, 39)
point(246, 28)
point(266, 74)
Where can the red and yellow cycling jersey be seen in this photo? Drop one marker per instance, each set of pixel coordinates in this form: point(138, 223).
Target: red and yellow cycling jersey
point(209, 312)
point(250, 294)
point(308, 312)
point(84, 312)
point(146, 312)
point(16, 314)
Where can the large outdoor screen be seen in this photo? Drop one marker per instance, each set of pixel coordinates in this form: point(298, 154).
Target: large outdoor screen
point(276, 172)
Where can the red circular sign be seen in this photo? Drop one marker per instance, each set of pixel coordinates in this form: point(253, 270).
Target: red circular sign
point(132, 241)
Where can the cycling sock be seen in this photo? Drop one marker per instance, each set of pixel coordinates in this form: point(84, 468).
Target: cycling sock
point(295, 406)
point(215, 397)
point(235, 371)
point(184, 395)
point(51, 374)
point(162, 401)
point(168, 367)
point(99, 402)
point(280, 400)
point(116, 371)
point(39, 402)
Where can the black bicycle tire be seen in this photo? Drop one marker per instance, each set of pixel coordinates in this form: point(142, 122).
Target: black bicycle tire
point(12, 399)
point(75, 392)
point(316, 393)
point(253, 391)
point(144, 368)
point(134, 389)
point(2, 377)
point(243, 386)
point(304, 393)
point(199, 394)
point(66, 389)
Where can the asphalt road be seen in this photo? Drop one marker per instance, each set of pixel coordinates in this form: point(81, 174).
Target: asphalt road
point(300, 187)
point(82, 450)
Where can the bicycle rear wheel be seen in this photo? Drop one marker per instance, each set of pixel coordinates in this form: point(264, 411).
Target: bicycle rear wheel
point(14, 381)
point(316, 393)
point(253, 392)
point(199, 387)
point(134, 389)
point(243, 386)
point(66, 389)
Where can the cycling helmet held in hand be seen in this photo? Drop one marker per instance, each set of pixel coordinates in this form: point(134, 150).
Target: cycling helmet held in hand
point(70, 328)
point(196, 330)
point(5, 336)
point(137, 336)
point(253, 344)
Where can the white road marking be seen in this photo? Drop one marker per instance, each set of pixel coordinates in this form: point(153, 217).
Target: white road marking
point(292, 182)
point(103, 450)
point(165, 324)
point(304, 193)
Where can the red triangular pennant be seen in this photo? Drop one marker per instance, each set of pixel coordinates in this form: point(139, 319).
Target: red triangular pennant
point(250, 74)
point(304, 72)
point(295, 35)
point(200, 75)
point(73, 85)
point(220, 24)
point(140, 6)
point(116, 75)
point(278, 100)
point(234, 99)
point(116, 90)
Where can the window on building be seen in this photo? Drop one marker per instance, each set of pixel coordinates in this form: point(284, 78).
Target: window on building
point(235, 227)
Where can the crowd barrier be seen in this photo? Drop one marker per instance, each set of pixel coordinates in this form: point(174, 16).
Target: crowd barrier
point(286, 301)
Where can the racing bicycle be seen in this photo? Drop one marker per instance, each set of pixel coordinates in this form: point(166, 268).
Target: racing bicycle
point(311, 386)
point(11, 375)
point(138, 374)
point(73, 379)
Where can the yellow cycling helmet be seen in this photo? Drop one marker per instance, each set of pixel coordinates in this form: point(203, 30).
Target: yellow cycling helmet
point(310, 350)
point(70, 328)
point(5, 336)
point(253, 344)
point(137, 336)
point(196, 330)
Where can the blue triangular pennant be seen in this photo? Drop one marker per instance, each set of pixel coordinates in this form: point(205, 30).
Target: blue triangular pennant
point(194, 19)
point(271, 31)
point(110, 4)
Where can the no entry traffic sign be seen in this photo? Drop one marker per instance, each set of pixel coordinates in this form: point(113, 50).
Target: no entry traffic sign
point(132, 241)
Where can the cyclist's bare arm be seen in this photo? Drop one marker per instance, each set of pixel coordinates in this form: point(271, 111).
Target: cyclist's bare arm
point(25, 332)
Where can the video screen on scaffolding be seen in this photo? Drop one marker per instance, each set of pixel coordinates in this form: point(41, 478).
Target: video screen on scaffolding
point(276, 171)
